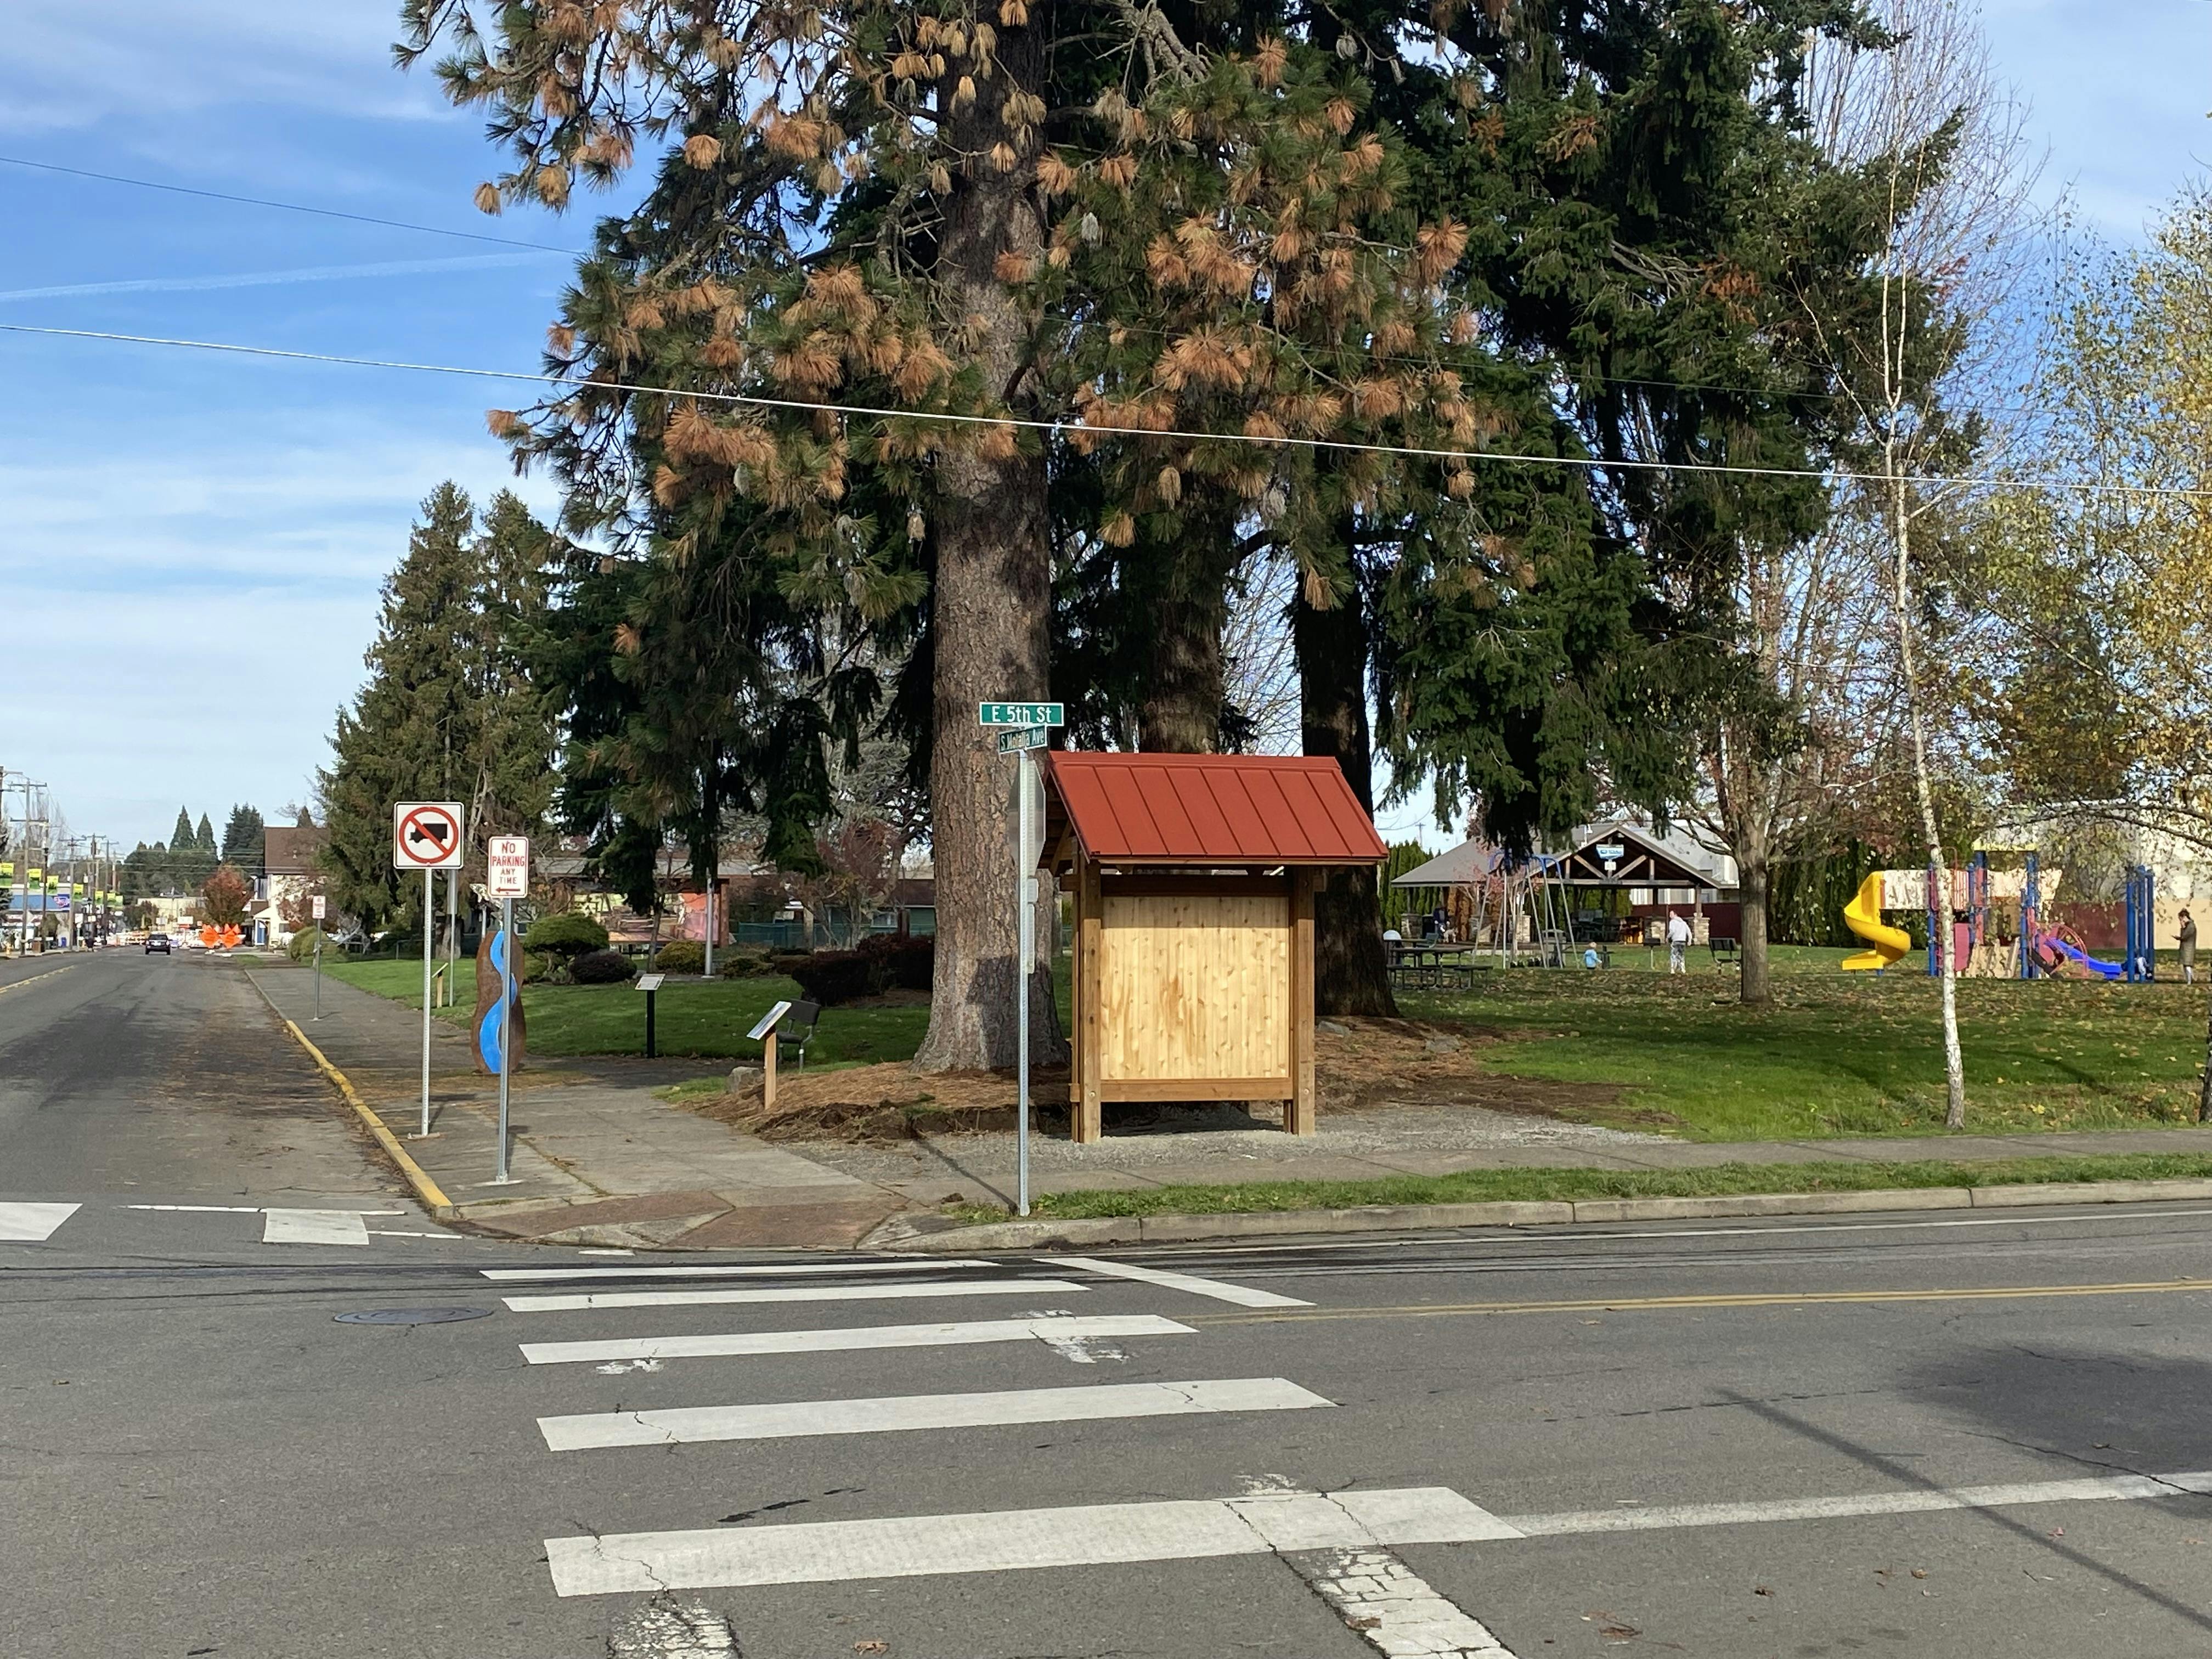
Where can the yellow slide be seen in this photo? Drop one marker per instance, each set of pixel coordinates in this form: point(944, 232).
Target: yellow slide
point(1863, 915)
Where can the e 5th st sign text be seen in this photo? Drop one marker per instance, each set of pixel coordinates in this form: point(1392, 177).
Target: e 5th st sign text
point(1021, 713)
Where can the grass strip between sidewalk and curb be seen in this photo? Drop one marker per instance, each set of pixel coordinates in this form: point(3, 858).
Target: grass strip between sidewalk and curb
point(432, 1195)
point(1568, 1185)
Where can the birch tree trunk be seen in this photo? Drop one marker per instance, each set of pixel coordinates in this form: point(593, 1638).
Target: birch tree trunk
point(1753, 863)
point(1954, 1076)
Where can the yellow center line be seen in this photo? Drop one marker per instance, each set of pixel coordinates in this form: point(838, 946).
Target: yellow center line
point(1758, 1299)
point(35, 978)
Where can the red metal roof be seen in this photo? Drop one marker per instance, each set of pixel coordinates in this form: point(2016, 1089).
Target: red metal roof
point(1212, 809)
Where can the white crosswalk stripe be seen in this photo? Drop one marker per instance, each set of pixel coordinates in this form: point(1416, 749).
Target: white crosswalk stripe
point(789, 1293)
point(897, 1412)
point(314, 1227)
point(1243, 1296)
point(1051, 1328)
point(796, 1269)
point(31, 1224)
point(1006, 1540)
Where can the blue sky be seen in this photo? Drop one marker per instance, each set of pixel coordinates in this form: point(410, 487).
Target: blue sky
point(191, 546)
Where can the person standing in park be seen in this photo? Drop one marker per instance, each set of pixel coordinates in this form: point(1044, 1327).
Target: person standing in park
point(2188, 942)
point(1678, 943)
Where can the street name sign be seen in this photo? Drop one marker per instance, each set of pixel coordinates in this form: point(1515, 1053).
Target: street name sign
point(506, 866)
point(426, 834)
point(1021, 713)
point(1024, 737)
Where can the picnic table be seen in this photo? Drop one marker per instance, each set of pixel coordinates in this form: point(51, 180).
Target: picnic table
point(1431, 965)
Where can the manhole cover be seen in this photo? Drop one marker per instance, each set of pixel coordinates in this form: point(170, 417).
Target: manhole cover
point(411, 1316)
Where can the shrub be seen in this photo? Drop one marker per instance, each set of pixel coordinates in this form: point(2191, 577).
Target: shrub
point(302, 947)
point(900, 960)
point(744, 964)
point(681, 956)
point(566, 937)
point(602, 968)
point(831, 977)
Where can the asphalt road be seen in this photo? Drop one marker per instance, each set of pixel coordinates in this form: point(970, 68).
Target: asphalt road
point(1907, 1435)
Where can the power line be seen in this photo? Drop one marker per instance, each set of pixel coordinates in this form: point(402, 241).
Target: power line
point(288, 206)
point(804, 406)
point(1780, 393)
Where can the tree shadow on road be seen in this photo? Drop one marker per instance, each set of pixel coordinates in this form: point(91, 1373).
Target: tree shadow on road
point(2091, 1413)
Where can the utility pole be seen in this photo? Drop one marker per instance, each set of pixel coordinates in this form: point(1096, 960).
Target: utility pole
point(28, 788)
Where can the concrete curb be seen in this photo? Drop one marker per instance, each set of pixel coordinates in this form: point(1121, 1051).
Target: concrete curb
point(426, 1191)
point(1433, 1218)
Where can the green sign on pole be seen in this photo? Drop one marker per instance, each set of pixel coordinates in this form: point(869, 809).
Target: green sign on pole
point(1031, 736)
point(1021, 713)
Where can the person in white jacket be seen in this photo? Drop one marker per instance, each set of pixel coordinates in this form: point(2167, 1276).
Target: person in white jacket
point(1678, 943)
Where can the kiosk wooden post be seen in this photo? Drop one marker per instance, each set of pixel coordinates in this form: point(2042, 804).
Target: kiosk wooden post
point(1299, 1115)
point(767, 1072)
point(1194, 878)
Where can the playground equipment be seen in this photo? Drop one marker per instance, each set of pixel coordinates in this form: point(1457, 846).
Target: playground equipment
point(1524, 911)
point(1993, 922)
point(1863, 915)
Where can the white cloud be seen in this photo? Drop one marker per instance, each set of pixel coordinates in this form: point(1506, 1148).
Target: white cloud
point(141, 60)
point(187, 610)
point(274, 278)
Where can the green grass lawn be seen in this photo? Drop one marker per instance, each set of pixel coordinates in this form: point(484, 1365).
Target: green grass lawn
point(691, 1017)
point(1837, 1053)
point(1841, 1054)
point(1567, 1183)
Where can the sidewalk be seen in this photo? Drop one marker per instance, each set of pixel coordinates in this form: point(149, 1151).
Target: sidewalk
point(595, 1158)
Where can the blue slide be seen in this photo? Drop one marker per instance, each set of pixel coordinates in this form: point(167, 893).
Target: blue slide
point(2075, 954)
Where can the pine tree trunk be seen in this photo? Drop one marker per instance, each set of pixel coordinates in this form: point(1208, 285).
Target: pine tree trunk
point(1351, 976)
point(1181, 710)
point(990, 613)
point(1182, 589)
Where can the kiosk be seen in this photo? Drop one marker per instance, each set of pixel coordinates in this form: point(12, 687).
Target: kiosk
point(1194, 878)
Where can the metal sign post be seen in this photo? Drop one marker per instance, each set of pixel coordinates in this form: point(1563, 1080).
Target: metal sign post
point(319, 905)
point(506, 865)
point(650, 984)
point(426, 836)
point(1023, 727)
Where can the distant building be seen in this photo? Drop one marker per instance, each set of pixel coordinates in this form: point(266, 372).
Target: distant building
point(293, 865)
point(1618, 867)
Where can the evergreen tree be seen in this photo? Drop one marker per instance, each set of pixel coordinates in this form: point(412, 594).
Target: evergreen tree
point(182, 836)
point(448, 713)
point(204, 837)
point(244, 845)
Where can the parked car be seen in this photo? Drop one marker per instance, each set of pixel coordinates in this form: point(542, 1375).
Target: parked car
point(157, 942)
